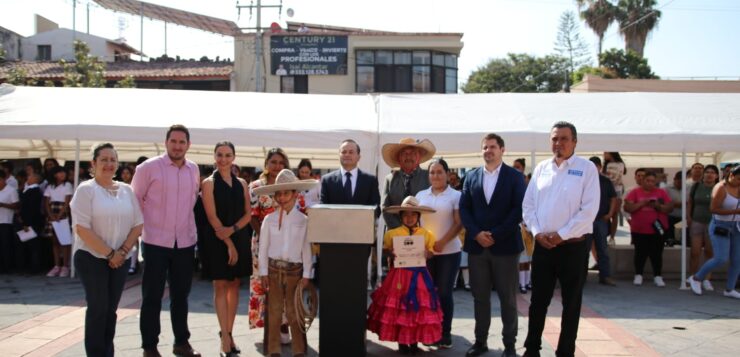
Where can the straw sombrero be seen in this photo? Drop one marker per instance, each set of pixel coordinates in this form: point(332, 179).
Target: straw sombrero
point(390, 151)
point(285, 181)
point(409, 203)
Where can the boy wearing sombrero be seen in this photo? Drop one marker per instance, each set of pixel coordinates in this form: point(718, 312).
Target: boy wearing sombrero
point(284, 251)
point(406, 307)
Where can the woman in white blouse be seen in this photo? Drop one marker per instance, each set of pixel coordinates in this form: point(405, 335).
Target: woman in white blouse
point(107, 222)
point(445, 223)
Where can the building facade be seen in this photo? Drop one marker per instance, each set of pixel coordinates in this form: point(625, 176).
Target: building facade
point(338, 60)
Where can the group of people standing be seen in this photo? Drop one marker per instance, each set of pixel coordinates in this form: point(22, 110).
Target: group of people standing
point(258, 230)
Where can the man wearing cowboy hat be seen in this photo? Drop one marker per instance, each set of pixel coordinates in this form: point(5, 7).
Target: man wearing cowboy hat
point(409, 179)
point(284, 251)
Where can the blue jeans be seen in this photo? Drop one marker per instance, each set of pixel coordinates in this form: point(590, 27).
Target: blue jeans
point(726, 248)
point(443, 269)
point(601, 232)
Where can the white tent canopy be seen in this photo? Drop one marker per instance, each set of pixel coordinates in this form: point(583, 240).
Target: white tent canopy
point(655, 128)
point(46, 122)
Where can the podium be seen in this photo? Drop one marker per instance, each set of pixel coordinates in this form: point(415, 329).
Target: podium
point(345, 234)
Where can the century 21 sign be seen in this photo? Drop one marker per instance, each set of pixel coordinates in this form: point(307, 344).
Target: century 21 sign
point(308, 55)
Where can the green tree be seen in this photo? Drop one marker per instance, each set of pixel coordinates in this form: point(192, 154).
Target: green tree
point(127, 82)
point(518, 73)
point(618, 64)
point(86, 71)
point(18, 76)
point(621, 64)
point(569, 43)
point(637, 18)
point(598, 15)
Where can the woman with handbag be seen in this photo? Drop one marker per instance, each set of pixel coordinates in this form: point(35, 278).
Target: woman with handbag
point(649, 206)
point(724, 232)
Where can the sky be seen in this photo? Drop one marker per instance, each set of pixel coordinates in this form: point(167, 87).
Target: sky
point(694, 38)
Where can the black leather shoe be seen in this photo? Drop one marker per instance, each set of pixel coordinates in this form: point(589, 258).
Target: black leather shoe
point(509, 351)
point(528, 353)
point(185, 350)
point(477, 349)
point(152, 352)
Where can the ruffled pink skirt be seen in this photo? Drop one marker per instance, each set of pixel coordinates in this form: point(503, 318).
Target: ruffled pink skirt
point(393, 319)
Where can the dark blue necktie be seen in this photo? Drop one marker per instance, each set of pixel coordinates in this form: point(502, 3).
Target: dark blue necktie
point(348, 185)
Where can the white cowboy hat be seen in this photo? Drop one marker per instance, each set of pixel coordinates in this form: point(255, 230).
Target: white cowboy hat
point(286, 181)
point(390, 151)
point(410, 204)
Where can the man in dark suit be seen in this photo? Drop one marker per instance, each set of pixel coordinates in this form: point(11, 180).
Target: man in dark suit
point(343, 270)
point(491, 209)
point(363, 187)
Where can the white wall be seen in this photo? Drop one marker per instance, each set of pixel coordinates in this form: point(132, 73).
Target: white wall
point(61, 41)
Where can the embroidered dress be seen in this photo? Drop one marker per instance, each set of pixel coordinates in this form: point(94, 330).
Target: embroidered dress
point(405, 309)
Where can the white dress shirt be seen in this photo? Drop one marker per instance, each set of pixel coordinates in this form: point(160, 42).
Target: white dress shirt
point(445, 204)
point(8, 195)
point(353, 178)
point(490, 178)
point(288, 243)
point(562, 199)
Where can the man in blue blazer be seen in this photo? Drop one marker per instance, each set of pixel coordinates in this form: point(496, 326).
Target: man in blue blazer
point(343, 267)
point(491, 209)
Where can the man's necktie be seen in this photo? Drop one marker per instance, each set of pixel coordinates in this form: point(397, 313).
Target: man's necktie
point(348, 185)
point(406, 185)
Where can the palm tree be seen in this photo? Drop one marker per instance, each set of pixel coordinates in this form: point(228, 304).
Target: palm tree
point(636, 19)
point(598, 14)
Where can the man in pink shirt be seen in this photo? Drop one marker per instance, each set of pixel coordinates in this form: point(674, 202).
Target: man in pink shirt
point(167, 187)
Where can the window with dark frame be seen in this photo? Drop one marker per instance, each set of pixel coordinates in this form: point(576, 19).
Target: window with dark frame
point(406, 71)
point(43, 53)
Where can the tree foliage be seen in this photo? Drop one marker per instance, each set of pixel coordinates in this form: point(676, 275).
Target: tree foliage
point(518, 73)
point(18, 76)
point(85, 71)
point(569, 43)
point(618, 64)
point(127, 82)
point(598, 15)
point(636, 18)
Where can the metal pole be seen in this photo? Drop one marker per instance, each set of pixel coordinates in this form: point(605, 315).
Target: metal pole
point(76, 183)
point(258, 49)
point(74, 21)
point(88, 18)
point(683, 221)
point(141, 35)
point(165, 38)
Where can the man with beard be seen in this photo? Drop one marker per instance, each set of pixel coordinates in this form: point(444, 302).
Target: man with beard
point(167, 187)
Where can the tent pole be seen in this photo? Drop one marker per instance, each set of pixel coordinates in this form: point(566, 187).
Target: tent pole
point(531, 161)
point(76, 183)
point(683, 221)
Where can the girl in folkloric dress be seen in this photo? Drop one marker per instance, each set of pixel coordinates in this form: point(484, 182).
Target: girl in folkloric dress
point(406, 307)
